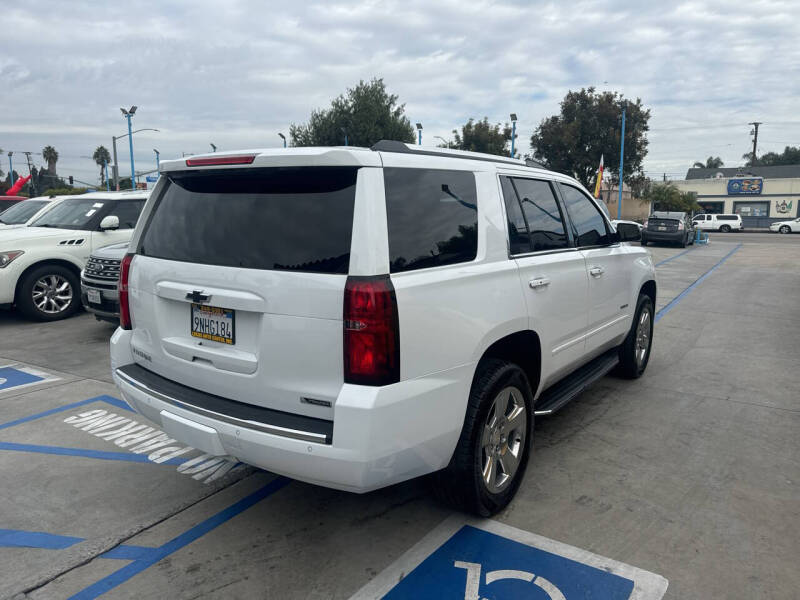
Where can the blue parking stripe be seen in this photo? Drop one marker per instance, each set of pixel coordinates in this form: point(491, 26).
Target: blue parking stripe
point(666, 260)
point(104, 398)
point(125, 573)
point(126, 552)
point(697, 282)
point(16, 538)
point(86, 453)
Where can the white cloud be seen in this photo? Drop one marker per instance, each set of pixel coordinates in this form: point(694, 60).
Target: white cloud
point(239, 72)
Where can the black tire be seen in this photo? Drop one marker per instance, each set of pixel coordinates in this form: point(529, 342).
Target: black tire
point(725, 229)
point(692, 238)
point(25, 301)
point(629, 367)
point(644, 242)
point(685, 241)
point(785, 229)
point(461, 485)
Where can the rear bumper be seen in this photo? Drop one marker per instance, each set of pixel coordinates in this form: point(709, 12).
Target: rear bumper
point(663, 236)
point(380, 436)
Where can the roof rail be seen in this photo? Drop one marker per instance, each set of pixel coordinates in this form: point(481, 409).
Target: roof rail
point(402, 148)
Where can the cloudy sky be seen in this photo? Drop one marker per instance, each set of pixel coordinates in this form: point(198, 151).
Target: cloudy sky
point(237, 73)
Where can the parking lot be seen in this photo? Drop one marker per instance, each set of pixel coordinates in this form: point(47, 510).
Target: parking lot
point(690, 472)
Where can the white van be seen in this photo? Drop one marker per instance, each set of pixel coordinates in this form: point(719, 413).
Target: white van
point(723, 223)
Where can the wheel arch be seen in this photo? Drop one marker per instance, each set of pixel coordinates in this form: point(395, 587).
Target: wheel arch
point(76, 270)
point(523, 348)
point(649, 288)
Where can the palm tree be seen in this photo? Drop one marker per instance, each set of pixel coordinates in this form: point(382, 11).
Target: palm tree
point(102, 158)
point(51, 156)
point(712, 162)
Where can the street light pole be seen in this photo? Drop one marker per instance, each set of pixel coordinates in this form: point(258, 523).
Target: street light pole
point(128, 114)
point(419, 132)
point(621, 157)
point(513, 132)
point(158, 160)
point(283, 137)
point(105, 168)
point(213, 147)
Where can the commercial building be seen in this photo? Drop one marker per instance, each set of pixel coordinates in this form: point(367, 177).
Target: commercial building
point(761, 195)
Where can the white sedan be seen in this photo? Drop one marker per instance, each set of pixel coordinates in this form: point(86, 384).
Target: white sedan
point(792, 226)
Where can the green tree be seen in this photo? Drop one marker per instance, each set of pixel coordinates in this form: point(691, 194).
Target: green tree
point(665, 196)
point(789, 156)
point(365, 114)
point(712, 162)
point(50, 156)
point(588, 127)
point(102, 157)
point(482, 136)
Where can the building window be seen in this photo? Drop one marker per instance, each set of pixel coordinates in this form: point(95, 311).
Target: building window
point(711, 208)
point(751, 209)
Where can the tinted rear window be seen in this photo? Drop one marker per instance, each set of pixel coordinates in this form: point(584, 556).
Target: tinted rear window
point(727, 218)
point(284, 219)
point(432, 217)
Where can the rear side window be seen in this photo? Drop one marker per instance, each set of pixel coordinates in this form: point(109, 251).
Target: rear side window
point(541, 213)
point(432, 217)
point(283, 219)
point(727, 217)
point(589, 224)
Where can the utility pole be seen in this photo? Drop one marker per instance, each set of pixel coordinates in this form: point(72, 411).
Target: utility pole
point(665, 177)
point(755, 125)
point(11, 167)
point(115, 168)
point(32, 183)
point(621, 157)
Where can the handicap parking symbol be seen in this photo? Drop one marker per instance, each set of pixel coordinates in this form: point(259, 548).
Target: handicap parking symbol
point(11, 377)
point(486, 560)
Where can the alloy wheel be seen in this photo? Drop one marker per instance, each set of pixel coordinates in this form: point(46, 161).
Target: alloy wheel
point(503, 439)
point(52, 294)
point(642, 338)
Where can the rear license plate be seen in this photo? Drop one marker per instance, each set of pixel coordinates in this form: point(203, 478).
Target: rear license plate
point(662, 228)
point(93, 296)
point(213, 323)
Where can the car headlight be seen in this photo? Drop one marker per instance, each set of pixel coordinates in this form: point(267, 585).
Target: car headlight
point(7, 257)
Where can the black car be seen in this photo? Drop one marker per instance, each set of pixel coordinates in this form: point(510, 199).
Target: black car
point(668, 227)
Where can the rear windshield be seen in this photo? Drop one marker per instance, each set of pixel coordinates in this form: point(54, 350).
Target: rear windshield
point(283, 219)
point(21, 212)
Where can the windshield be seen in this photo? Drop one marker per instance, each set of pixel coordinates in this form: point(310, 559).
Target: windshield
point(69, 214)
point(21, 212)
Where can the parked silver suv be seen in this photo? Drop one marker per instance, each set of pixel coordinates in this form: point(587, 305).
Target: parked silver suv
point(99, 280)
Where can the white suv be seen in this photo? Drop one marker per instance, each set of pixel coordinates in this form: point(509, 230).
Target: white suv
point(40, 264)
point(357, 317)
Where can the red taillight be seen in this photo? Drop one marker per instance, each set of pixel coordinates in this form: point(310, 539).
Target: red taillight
point(680, 225)
point(222, 160)
point(371, 331)
point(124, 302)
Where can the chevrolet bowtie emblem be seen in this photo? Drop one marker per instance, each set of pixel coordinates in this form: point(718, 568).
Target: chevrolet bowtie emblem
point(198, 296)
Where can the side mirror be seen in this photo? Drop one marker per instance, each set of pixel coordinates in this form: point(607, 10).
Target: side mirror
point(109, 222)
point(628, 232)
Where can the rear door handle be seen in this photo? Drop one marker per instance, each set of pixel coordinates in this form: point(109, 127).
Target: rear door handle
point(539, 282)
point(596, 271)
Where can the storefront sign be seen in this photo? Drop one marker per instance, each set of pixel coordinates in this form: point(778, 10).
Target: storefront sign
point(745, 186)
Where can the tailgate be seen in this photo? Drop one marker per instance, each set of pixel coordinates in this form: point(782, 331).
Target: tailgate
point(238, 284)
